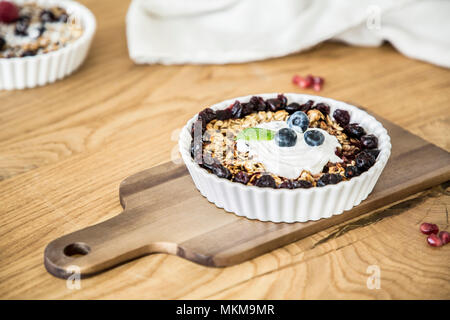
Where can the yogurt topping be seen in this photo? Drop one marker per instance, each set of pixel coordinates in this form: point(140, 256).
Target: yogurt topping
point(289, 162)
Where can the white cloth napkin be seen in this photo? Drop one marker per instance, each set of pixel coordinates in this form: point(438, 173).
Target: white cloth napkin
point(232, 31)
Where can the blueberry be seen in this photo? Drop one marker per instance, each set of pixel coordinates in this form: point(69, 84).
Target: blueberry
point(286, 137)
point(369, 141)
point(265, 181)
point(314, 138)
point(298, 120)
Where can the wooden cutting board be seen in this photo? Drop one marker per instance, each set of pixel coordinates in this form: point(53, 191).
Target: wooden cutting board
point(164, 213)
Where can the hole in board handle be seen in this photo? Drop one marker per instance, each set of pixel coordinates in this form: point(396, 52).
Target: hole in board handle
point(76, 249)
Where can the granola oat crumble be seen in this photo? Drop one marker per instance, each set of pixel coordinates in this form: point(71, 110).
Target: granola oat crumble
point(216, 151)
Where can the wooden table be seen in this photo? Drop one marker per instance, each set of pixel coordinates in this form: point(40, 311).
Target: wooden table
point(65, 148)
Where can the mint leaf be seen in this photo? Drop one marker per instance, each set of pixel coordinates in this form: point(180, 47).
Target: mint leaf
point(256, 134)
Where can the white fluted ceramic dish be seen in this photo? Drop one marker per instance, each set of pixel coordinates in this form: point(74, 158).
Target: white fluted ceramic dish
point(39, 70)
point(290, 205)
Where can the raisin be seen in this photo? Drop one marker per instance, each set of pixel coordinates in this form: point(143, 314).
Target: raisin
point(273, 104)
point(364, 161)
point(351, 171)
point(323, 108)
point(220, 171)
point(236, 110)
point(265, 181)
point(293, 107)
point(329, 178)
point(282, 98)
point(247, 108)
point(241, 177)
point(286, 184)
point(353, 130)
point(259, 103)
point(342, 117)
point(369, 141)
point(304, 184)
point(223, 114)
point(306, 106)
point(207, 115)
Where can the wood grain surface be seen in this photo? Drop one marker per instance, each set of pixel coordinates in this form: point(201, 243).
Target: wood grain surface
point(154, 221)
point(65, 148)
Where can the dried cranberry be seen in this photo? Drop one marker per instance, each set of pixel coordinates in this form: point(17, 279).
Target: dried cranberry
point(274, 104)
point(364, 161)
point(342, 117)
point(236, 110)
point(247, 108)
point(259, 103)
point(351, 171)
point(223, 114)
point(241, 177)
point(323, 108)
point(265, 181)
point(2, 43)
point(434, 241)
point(353, 130)
point(306, 106)
point(329, 178)
point(444, 236)
point(207, 115)
point(293, 107)
point(286, 184)
point(283, 100)
point(220, 171)
point(303, 184)
point(429, 228)
point(369, 141)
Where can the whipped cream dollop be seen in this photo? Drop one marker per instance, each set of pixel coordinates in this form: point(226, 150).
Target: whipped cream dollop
point(289, 162)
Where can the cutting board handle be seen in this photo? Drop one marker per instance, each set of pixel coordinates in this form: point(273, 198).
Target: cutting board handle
point(100, 247)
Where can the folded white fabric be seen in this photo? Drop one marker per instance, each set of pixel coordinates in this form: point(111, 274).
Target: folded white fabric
point(233, 31)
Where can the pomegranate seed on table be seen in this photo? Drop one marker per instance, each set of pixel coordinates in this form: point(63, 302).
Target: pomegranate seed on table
point(8, 12)
point(318, 80)
point(434, 241)
point(444, 236)
point(296, 79)
point(317, 87)
point(429, 228)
